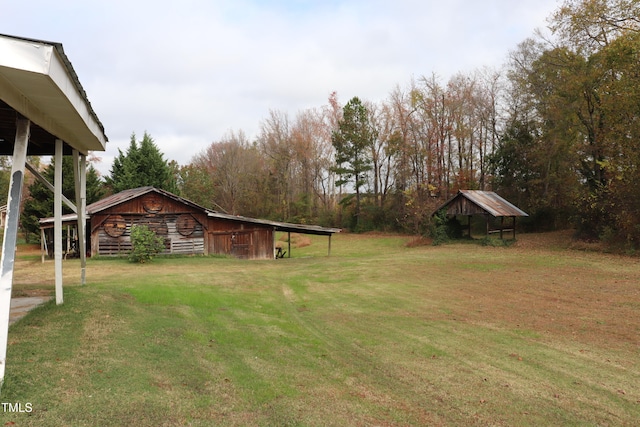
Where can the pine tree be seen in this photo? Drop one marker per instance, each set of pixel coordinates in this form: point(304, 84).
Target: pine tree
point(352, 141)
point(142, 165)
point(40, 201)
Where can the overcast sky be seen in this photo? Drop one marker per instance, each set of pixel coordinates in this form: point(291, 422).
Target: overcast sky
point(189, 71)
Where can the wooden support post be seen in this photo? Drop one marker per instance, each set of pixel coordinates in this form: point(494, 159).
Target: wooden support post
point(80, 175)
point(289, 242)
point(514, 227)
point(329, 253)
point(486, 217)
point(57, 221)
point(501, 226)
point(43, 243)
point(23, 129)
point(274, 243)
point(66, 252)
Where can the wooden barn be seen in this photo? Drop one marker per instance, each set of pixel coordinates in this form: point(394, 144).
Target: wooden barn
point(186, 227)
point(488, 204)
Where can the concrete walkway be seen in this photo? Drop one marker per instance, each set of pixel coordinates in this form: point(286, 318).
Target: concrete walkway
point(20, 306)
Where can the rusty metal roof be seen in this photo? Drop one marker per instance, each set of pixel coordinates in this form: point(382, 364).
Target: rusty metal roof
point(487, 201)
point(133, 193)
point(122, 197)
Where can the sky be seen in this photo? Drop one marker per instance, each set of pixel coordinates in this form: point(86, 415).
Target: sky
point(189, 72)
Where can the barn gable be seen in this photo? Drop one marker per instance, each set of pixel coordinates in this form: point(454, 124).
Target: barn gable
point(181, 223)
point(474, 202)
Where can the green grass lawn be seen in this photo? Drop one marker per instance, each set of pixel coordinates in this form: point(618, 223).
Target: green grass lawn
point(377, 334)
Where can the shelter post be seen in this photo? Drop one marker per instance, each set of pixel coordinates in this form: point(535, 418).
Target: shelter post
point(514, 227)
point(80, 175)
point(501, 227)
point(329, 251)
point(23, 129)
point(289, 243)
point(486, 217)
point(274, 243)
point(57, 227)
point(43, 243)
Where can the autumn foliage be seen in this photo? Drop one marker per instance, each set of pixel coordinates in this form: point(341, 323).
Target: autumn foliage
point(556, 131)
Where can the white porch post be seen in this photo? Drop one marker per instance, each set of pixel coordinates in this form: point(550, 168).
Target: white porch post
point(23, 127)
point(57, 221)
point(80, 174)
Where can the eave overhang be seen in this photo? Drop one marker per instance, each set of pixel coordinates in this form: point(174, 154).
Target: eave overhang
point(38, 82)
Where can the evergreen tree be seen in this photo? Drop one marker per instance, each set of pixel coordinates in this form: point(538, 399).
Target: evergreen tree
point(352, 141)
point(142, 165)
point(40, 201)
point(5, 175)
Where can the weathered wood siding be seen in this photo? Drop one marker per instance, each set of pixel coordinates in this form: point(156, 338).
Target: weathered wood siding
point(181, 226)
point(246, 241)
point(463, 206)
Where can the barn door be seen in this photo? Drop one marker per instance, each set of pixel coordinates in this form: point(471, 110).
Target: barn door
point(241, 244)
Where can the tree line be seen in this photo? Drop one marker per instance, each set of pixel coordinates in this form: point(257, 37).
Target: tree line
point(556, 131)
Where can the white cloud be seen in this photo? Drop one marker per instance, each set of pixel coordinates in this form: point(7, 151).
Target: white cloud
point(188, 72)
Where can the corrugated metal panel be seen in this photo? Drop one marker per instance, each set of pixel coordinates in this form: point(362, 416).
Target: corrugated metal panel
point(480, 202)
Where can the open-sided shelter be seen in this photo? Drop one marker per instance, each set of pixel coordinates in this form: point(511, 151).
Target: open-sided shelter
point(471, 203)
point(186, 227)
point(43, 111)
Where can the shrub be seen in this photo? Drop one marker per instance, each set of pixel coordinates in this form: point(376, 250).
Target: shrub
point(438, 228)
point(146, 244)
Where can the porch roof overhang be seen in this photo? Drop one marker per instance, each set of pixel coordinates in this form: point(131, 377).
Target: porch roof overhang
point(38, 82)
point(279, 226)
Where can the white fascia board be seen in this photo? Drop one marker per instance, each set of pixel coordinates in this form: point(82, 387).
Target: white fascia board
point(37, 84)
point(25, 56)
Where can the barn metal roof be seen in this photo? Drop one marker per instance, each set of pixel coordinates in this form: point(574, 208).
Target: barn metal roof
point(488, 201)
point(37, 81)
point(133, 193)
point(279, 226)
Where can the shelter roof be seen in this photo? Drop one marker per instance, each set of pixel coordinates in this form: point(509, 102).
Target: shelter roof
point(37, 81)
point(473, 202)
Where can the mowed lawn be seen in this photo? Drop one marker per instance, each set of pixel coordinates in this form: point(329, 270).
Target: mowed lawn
point(377, 334)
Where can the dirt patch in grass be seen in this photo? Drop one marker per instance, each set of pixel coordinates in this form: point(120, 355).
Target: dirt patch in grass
point(297, 241)
point(419, 241)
